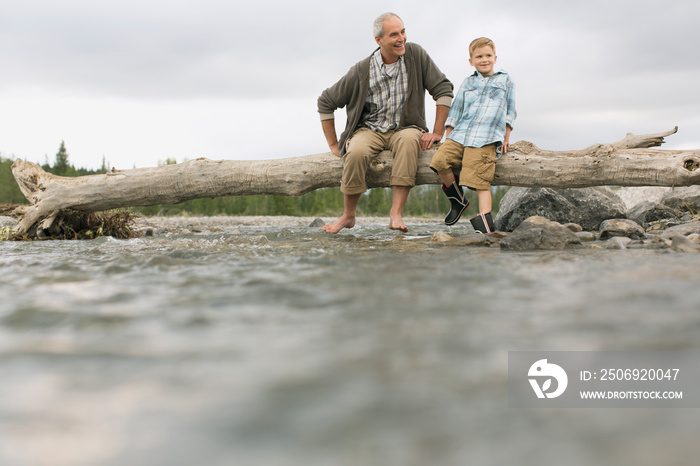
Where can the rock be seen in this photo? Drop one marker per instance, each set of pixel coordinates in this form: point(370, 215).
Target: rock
point(685, 229)
point(587, 207)
point(441, 236)
point(621, 227)
point(540, 233)
point(647, 212)
point(617, 242)
point(575, 227)
point(632, 196)
point(476, 239)
point(470, 239)
point(8, 222)
point(647, 244)
point(683, 198)
point(683, 244)
point(317, 223)
point(586, 236)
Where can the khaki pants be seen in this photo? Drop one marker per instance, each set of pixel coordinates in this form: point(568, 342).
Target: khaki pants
point(365, 144)
point(477, 165)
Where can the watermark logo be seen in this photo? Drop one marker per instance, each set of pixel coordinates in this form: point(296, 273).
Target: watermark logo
point(604, 379)
point(544, 372)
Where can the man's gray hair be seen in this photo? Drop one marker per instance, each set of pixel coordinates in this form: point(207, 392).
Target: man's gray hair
point(379, 23)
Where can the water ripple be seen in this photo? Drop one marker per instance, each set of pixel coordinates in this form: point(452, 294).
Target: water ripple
point(257, 345)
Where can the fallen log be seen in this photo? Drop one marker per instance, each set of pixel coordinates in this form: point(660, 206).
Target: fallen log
point(628, 162)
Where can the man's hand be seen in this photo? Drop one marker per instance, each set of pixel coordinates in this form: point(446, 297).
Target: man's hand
point(428, 139)
point(331, 138)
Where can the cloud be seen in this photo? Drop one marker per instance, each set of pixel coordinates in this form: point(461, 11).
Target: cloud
point(140, 81)
point(167, 49)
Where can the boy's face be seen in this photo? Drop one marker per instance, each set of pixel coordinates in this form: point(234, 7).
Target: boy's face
point(483, 59)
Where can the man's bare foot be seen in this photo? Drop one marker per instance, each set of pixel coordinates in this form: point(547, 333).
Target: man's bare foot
point(343, 222)
point(396, 223)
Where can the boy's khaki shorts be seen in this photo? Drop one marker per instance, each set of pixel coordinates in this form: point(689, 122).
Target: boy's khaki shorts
point(477, 165)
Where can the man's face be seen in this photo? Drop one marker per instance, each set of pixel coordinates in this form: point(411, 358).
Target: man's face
point(393, 43)
point(483, 60)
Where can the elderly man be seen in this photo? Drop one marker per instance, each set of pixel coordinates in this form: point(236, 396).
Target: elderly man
point(385, 99)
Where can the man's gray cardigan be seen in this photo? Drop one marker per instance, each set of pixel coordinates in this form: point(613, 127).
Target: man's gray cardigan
point(353, 88)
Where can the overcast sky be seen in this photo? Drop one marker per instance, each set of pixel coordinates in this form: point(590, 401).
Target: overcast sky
point(139, 81)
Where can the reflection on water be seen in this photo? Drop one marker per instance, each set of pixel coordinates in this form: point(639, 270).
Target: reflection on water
point(268, 346)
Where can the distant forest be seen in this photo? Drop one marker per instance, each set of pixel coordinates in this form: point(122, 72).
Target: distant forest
point(424, 201)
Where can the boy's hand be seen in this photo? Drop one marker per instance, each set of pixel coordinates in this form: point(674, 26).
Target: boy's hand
point(428, 139)
point(506, 140)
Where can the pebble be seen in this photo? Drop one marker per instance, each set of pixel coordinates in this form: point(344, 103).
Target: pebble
point(440, 236)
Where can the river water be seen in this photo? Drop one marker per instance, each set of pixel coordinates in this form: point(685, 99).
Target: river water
point(261, 345)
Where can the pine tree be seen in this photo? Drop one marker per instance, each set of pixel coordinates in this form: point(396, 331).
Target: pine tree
point(60, 166)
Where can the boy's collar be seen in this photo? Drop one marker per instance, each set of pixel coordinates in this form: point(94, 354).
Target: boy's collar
point(476, 73)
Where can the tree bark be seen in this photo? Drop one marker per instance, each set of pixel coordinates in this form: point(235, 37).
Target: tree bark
point(628, 162)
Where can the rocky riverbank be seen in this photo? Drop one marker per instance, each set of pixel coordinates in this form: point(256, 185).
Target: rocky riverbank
point(148, 226)
point(626, 218)
point(528, 219)
point(681, 234)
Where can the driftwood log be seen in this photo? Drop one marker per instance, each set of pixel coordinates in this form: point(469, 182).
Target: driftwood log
point(628, 162)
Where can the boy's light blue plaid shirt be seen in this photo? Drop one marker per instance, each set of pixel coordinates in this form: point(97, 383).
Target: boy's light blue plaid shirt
point(481, 109)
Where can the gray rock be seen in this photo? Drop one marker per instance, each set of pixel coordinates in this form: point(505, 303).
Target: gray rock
point(681, 230)
point(683, 244)
point(470, 239)
point(683, 198)
point(540, 233)
point(621, 227)
point(586, 236)
point(635, 195)
point(617, 242)
point(317, 223)
point(646, 212)
point(643, 244)
point(8, 222)
point(587, 207)
point(476, 239)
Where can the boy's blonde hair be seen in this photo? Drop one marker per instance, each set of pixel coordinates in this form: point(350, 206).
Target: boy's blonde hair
point(481, 42)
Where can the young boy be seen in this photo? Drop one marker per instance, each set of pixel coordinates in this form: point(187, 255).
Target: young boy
point(478, 128)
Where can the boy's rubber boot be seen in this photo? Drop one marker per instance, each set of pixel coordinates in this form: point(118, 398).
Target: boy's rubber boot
point(483, 223)
point(457, 201)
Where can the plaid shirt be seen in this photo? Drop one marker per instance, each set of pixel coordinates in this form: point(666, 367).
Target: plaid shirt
point(386, 96)
point(481, 109)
